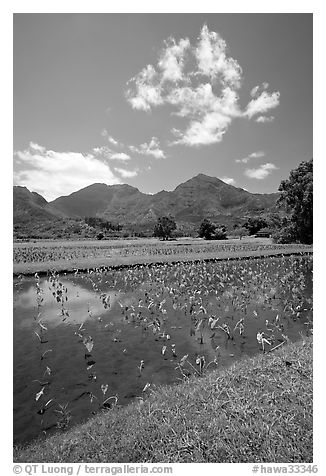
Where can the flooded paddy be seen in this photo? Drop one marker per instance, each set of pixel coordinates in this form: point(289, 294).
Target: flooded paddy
point(84, 342)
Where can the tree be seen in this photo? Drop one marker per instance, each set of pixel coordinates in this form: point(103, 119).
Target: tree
point(220, 233)
point(297, 198)
point(240, 232)
point(206, 229)
point(254, 224)
point(210, 231)
point(164, 227)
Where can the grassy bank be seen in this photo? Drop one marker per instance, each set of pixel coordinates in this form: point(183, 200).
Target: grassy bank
point(258, 410)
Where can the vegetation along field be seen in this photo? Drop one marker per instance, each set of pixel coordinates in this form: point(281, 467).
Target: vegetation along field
point(88, 342)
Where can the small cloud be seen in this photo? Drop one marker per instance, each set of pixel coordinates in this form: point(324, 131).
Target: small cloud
point(261, 172)
point(264, 119)
point(257, 155)
point(254, 91)
point(254, 155)
point(103, 151)
point(113, 141)
point(229, 180)
point(109, 154)
point(207, 131)
point(152, 148)
point(120, 156)
point(38, 148)
point(62, 172)
point(262, 103)
point(126, 173)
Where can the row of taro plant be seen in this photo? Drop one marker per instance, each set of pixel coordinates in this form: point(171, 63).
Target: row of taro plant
point(44, 254)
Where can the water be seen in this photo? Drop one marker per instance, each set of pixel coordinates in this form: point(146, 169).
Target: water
point(131, 315)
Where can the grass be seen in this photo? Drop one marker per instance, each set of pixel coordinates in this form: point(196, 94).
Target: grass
point(258, 410)
point(66, 256)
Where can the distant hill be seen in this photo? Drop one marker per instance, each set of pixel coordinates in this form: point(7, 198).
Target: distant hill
point(200, 197)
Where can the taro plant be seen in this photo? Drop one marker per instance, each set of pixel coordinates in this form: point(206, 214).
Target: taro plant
point(64, 416)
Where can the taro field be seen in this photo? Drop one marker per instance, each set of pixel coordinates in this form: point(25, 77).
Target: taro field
point(66, 251)
point(88, 342)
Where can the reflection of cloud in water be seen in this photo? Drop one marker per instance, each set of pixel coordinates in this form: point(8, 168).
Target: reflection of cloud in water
point(80, 301)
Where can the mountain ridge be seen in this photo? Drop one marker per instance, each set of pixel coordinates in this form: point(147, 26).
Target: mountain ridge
point(199, 197)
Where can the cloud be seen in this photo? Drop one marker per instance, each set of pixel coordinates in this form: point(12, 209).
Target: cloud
point(148, 87)
point(254, 91)
point(254, 155)
point(261, 172)
point(172, 58)
point(107, 153)
point(207, 131)
point(200, 83)
point(52, 173)
point(103, 151)
point(126, 173)
point(112, 140)
point(261, 87)
point(257, 155)
point(264, 119)
point(152, 148)
point(262, 103)
point(120, 156)
point(229, 180)
point(213, 61)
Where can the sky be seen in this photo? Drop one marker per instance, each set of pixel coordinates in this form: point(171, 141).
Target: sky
point(154, 99)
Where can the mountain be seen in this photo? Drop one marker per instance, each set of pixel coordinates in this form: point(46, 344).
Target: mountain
point(204, 196)
point(34, 217)
point(100, 200)
point(201, 196)
point(30, 206)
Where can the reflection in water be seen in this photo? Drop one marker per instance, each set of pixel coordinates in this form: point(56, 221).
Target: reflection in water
point(82, 304)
